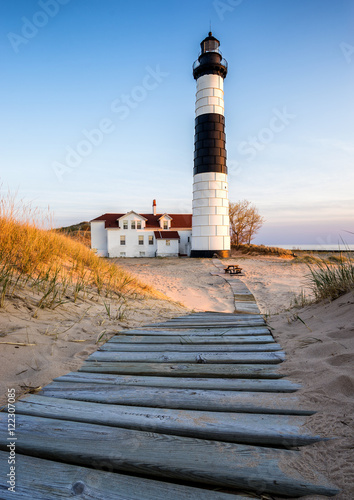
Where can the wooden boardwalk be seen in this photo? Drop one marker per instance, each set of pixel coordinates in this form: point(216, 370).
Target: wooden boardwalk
point(191, 408)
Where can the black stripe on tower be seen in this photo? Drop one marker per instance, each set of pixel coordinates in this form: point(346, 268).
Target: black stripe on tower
point(210, 144)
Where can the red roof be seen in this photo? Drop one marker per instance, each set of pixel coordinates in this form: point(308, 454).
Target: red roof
point(110, 219)
point(166, 235)
point(179, 221)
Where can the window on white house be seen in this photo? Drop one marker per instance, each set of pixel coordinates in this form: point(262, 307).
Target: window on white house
point(125, 224)
point(122, 240)
point(165, 224)
point(189, 239)
point(132, 224)
point(168, 243)
point(138, 224)
point(151, 240)
point(141, 240)
point(122, 254)
point(142, 254)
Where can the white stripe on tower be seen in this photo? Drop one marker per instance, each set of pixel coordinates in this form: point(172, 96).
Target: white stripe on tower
point(210, 95)
point(210, 226)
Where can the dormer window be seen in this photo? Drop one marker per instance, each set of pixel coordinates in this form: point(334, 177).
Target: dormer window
point(165, 222)
point(132, 220)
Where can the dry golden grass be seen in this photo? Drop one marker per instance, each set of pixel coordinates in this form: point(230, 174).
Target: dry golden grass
point(319, 258)
point(80, 232)
point(56, 267)
point(263, 250)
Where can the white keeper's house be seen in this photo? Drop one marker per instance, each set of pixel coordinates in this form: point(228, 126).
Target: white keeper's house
point(142, 235)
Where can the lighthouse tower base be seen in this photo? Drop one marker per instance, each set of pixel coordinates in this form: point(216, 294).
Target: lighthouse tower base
point(208, 254)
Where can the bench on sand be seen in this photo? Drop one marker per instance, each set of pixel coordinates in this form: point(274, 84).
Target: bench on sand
point(234, 269)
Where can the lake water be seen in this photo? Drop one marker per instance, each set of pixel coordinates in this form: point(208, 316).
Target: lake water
point(323, 248)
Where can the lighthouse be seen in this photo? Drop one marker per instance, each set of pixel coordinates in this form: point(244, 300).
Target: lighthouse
point(210, 221)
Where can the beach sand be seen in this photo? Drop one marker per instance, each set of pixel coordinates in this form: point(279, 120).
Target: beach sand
point(318, 340)
point(34, 350)
point(319, 345)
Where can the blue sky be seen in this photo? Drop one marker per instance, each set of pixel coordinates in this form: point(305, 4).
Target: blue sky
point(97, 105)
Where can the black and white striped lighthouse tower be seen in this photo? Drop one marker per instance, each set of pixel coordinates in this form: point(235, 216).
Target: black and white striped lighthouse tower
point(210, 226)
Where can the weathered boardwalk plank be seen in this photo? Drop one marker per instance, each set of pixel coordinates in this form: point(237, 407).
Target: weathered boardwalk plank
point(184, 325)
point(232, 336)
point(207, 315)
point(158, 455)
point(189, 370)
point(274, 430)
point(212, 315)
point(189, 357)
point(166, 397)
point(209, 330)
point(246, 306)
point(251, 320)
point(236, 319)
point(41, 479)
point(177, 347)
point(228, 384)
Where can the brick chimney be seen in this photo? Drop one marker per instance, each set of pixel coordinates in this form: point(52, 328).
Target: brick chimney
point(154, 207)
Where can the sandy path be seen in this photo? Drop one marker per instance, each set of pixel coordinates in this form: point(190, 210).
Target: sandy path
point(274, 282)
point(184, 280)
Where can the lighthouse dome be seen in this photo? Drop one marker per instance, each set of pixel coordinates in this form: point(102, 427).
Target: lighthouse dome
point(210, 60)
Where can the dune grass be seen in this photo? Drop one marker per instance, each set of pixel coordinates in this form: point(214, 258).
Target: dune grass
point(54, 267)
point(263, 250)
point(80, 232)
point(331, 279)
